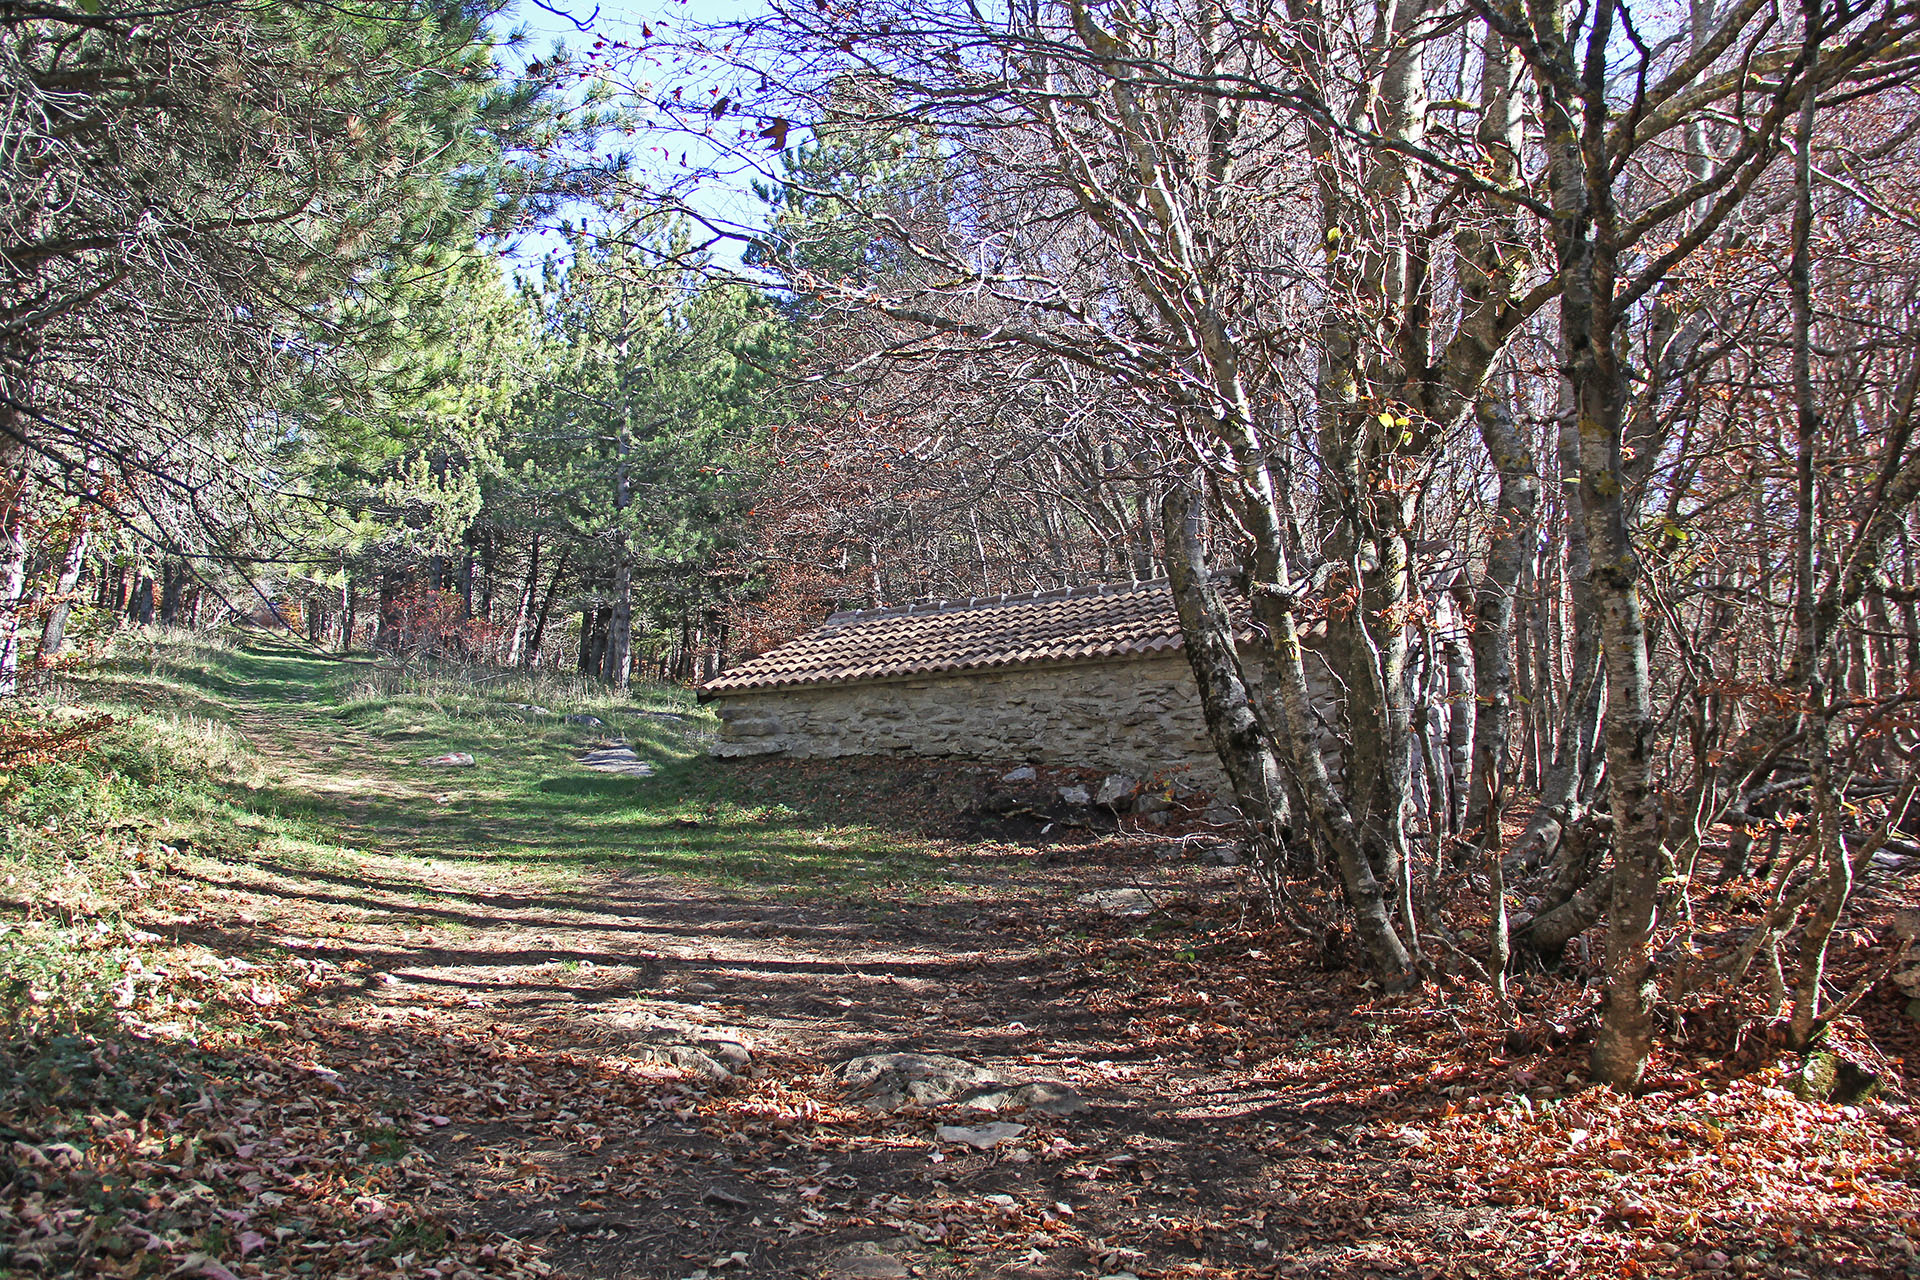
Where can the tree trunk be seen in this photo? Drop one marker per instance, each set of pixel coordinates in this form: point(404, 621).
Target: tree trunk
point(617, 667)
point(466, 584)
point(53, 636)
point(1565, 790)
point(523, 616)
point(1509, 545)
point(1242, 742)
point(1461, 716)
point(13, 580)
point(530, 657)
point(383, 637)
point(1275, 597)
point(1832, 869)
point(1590, 325)
point(173, 577)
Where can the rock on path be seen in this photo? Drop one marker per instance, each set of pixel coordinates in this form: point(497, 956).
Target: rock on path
point(617, 758)
point(888, 1081)
point(718, 1053)
point(1119, 902)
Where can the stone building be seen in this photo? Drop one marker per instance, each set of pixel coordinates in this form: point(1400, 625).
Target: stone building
point(1092, 676)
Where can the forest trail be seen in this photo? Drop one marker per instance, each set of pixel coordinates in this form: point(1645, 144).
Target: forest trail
point(458, 913)
point(449, 912)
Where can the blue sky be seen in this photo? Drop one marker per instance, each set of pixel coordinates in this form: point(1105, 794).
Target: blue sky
point(616, 18)
point(622, 20)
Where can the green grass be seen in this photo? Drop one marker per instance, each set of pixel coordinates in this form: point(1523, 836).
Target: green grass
point(242, 760)
point(178, 768)
point(528, 802)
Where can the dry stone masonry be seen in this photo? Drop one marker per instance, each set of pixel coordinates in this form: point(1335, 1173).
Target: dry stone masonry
point(1139, 716)
point(1093, 677)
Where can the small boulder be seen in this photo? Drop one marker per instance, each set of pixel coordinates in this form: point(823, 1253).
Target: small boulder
point(1041, 1095)
point(1220, 815)
point(1025, 773)
point(1003, 802)
point(1907, 977)
point(983, 1138)
point(888, 1081)
point(1075, 796)
point(1114, 789)
point(1118, 902)
point(1906, 974)
point(1835, 1076)
point(618, 758)
point(591, 722)
point(451, 760)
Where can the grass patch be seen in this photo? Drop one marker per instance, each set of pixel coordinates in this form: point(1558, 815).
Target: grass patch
point(176, 796)
point(527, 799)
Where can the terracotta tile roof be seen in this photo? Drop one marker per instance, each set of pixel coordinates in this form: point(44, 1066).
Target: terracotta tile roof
point(1081, 624)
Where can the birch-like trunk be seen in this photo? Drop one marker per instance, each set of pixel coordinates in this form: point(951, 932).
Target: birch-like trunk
point(1832, 875)
point(13, 580)
point(53, 635)
point(1242, 742)
point(1580, 177)
point(523, 616)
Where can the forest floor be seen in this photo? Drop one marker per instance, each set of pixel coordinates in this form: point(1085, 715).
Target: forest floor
point(366, 1016)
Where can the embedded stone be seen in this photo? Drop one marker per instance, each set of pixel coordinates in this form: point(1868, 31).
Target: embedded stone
point(982, 1138)
point(1222, 855)
point(717, 1053)
point(617, 759)
point(1118, 902)
point(889, 1081)
point(1041, 1095)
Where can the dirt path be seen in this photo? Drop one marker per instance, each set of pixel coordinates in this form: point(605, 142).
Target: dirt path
point(444, 929)
point(546, 979)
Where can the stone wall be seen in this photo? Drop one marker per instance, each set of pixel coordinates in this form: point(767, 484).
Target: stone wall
point(1139, 716)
